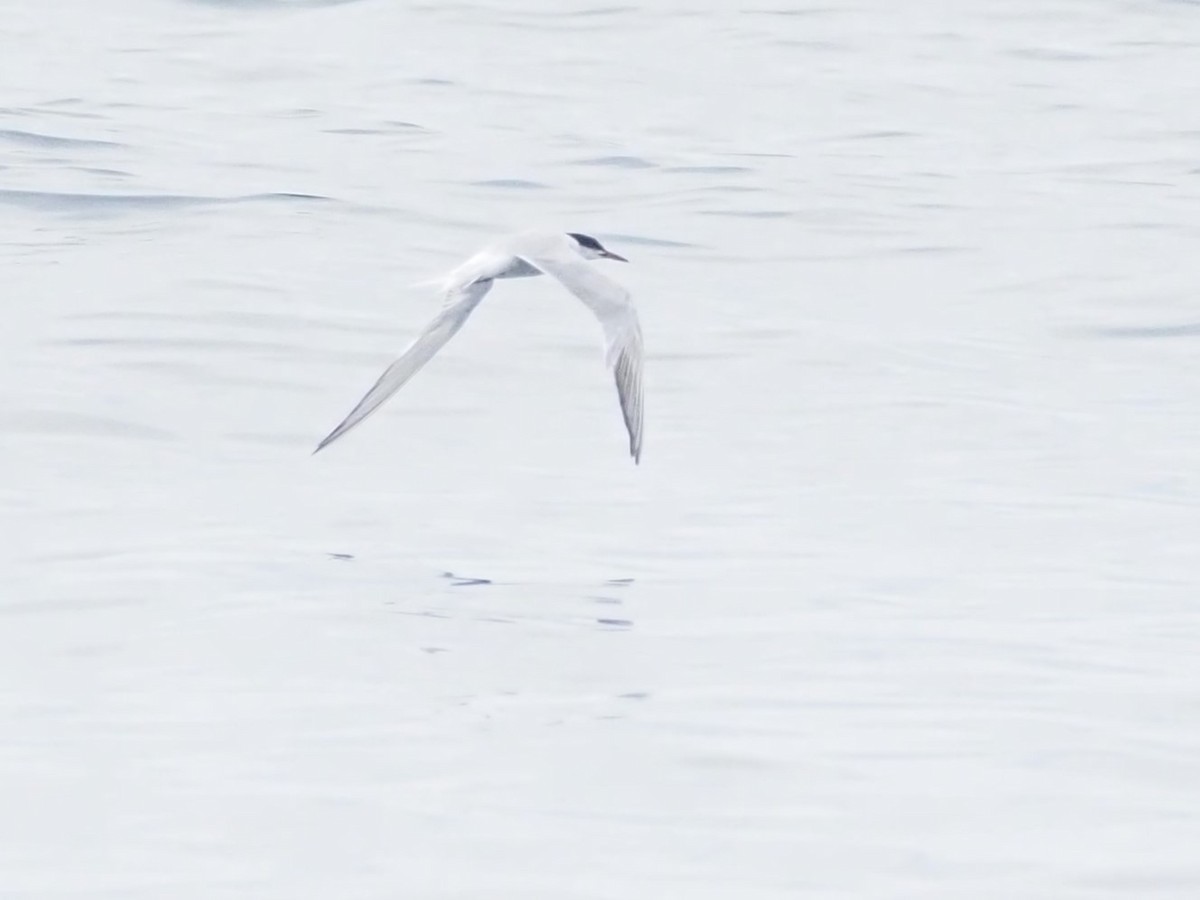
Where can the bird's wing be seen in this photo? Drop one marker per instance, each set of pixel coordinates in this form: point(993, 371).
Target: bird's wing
point(443, 327)
point(610, 303)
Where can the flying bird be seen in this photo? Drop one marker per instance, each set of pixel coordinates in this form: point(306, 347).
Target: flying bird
point(563, 256)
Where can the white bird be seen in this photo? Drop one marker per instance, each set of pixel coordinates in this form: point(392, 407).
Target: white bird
point(559, 255)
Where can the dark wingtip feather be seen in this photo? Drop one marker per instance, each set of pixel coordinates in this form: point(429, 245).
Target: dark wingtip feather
point(326, 441)
point(630, 407)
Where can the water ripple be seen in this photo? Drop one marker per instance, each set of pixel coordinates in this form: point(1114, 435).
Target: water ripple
point(1141, 332)
point(520, 184)
point(48, 422)
point(645, 241)
point(100, 204)
point(239, 5)
point(618, 162)
point(34, 139)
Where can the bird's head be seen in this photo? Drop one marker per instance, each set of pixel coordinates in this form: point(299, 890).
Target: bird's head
point(590, 248)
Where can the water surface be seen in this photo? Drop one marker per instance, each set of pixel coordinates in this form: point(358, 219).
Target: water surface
point(900, 603)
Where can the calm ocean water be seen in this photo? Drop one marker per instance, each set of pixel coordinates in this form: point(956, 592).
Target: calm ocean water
point(903, 601)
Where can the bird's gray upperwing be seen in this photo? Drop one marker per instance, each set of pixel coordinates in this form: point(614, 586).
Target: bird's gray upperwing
point(610, 303)
point(443, 327)
point(627, 370)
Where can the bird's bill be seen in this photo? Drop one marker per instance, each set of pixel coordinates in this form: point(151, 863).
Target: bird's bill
point(608, 254)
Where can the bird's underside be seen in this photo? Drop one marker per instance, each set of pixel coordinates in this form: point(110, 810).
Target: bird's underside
point(559, 256)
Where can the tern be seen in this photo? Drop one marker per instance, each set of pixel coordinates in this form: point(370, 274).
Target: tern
point(564, 257)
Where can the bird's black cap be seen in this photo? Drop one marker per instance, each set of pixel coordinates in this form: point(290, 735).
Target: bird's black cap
point(586, 240)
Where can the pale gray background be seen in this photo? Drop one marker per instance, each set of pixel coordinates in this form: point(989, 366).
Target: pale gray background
point(902, 602)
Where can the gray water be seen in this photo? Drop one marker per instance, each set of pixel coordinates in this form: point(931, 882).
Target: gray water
point(901, 603)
